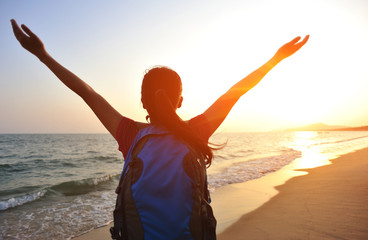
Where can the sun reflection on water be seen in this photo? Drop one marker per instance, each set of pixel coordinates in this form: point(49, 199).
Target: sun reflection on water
point(307, 142)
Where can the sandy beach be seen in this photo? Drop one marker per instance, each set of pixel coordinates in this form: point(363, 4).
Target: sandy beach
point(330, 202)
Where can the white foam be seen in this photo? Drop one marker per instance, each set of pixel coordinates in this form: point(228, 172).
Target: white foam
point(17, 201)
point(251, 169)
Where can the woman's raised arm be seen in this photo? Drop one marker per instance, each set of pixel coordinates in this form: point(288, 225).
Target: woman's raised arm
point(218, 111)
point(109, 117)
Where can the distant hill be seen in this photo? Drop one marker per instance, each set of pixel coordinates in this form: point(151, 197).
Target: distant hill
point(325, 127)
point(363, 128)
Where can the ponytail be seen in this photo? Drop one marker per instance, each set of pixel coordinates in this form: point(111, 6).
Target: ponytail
point(165, 115)
point(158, 100)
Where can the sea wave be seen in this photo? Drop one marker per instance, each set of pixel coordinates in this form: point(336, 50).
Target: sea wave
point(341, 141)
point(83, 186)
point(106, 158)
point(20, 200)
point(232, 155)
point(7, 156)
point(252, 169)
point(77, 187)
point(19, 166)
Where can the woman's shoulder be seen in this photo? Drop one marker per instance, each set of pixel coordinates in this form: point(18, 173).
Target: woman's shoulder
point(126, 132)
point(141, 125)
point(201, 125)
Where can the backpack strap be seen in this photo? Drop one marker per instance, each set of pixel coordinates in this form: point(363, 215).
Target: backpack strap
point(119, 230)
point(124, 200)
point(202, 222)
point(136, 149)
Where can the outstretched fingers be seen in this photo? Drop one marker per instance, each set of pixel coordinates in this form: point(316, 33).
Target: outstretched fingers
point(305, 39)
point(28, 39)
point(295, 40)
point(301, 44)
point(16, 29)
point(28, 31)
point(291, 47)
point(19, 34)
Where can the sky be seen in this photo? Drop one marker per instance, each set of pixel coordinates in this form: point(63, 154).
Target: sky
point(211, 44)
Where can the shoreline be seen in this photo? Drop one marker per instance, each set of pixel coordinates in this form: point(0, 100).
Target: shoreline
point(235, 202)
point(330, 202)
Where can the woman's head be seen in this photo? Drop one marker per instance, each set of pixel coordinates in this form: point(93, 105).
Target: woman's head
point(161, 96)
point(161, 80)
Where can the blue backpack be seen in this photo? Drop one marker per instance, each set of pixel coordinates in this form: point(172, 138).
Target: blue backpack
point(162, 193)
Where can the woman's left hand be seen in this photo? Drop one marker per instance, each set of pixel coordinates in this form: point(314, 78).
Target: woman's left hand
point(29, 41)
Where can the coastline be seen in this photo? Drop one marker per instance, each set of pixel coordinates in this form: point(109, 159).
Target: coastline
point(330, 202)
point(240, 208)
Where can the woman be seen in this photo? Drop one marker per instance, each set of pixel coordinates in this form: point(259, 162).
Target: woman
point(161, 96)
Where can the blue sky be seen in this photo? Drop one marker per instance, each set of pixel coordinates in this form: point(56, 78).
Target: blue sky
point(211, 44)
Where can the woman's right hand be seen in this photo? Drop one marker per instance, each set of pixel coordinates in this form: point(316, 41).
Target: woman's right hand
point(290, 48)
point(30, 42)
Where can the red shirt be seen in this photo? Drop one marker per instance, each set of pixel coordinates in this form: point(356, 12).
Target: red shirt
point(128, 129)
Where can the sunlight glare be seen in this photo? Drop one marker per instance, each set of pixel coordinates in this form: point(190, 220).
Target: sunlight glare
point(312, 157)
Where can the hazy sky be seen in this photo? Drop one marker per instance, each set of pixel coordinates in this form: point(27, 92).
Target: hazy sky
point(211, 44)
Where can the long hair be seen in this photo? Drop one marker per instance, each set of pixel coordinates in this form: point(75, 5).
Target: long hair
point(161, 96)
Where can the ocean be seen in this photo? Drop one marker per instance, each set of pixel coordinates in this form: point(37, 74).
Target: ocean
point(56, 186)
